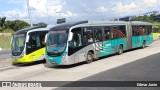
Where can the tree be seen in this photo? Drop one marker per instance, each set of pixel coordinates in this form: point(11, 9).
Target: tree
point(40, 24)
point(16, 25)
point(2, 22)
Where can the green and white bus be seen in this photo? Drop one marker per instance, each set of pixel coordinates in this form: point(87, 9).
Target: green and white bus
point(71, 43)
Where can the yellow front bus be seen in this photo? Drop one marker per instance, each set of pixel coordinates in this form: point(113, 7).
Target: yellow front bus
point(28, 45)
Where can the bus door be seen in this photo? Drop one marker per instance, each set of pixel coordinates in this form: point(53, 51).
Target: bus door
point(107, 41)
point(35, 45)
point(114, 39)
point(98, 38)
point(135, 39)
point(148, 31)
point(140, 35)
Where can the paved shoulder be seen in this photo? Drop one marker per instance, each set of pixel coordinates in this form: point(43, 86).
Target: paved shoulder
point(146, 69)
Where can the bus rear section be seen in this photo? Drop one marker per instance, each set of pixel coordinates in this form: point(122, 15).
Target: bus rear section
point(28, 45)
point(141, 34)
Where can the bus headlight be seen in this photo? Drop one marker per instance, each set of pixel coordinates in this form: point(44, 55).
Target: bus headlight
point(64, 56)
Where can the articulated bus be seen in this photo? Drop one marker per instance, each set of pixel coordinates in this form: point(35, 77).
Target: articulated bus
point(28, 45)
point(71, 43)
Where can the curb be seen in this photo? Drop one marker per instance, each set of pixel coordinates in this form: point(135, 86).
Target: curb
point(6, 67)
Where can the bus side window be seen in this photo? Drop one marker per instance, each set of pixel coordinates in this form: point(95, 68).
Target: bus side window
point(121, 32)
point(35, 41)
point(144, 30)
point(113, 32)
point(107, 33)
point(77, 38)
point(150, 30)
point(133, 31)
point(76, 43)
point(87, 36)
point(97, 34)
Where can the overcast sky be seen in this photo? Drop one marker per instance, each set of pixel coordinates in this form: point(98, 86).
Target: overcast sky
point(50, 10)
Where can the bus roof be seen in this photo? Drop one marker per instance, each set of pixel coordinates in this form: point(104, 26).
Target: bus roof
point(67, 25)
point(95, 23)
point(140, 23)
point(29, 29)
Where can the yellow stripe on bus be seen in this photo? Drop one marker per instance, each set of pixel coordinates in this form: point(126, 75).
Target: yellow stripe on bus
point(30, 57)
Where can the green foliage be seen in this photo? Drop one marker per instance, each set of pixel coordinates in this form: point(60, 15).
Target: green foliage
point(2, 22)
point(7, 31)
point(5, 41)
point(147, 18)
point(40, 24)
point(16, 25)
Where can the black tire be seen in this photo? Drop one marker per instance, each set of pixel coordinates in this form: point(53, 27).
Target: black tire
point(144, 45)
point(120, 50)
point(89, 57)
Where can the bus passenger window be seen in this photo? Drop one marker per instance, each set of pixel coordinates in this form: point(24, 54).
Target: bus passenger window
point(113, 32)
point(98, 34)
point(76, 43)
point(77, 40)
point(87, 36)
point(107, 33)
point(121, 32)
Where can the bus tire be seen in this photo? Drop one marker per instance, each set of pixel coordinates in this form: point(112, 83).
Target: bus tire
point(120, 50)
point(48, 64)
point(144, 44)
point(89, 57)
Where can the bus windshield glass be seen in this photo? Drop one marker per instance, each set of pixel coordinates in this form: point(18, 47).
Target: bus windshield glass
point(56, 42)
point(18, 44)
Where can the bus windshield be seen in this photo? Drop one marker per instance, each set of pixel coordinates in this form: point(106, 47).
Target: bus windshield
point(18, 43)
point(56, 42)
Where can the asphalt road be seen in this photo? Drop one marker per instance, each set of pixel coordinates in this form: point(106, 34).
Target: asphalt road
point(128, 66)
point(145, 69)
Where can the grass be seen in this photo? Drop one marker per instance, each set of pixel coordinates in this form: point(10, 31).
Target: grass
point(5, 41)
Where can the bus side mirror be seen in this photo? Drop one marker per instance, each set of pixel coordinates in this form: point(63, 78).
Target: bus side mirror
point(46, 38)
point(27, 38)
point(70, 36)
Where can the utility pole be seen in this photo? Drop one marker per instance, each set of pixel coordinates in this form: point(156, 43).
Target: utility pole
point(110, 9)
point(29, 13)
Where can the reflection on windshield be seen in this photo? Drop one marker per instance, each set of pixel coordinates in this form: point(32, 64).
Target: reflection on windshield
point(18, 44)
point(56, 42)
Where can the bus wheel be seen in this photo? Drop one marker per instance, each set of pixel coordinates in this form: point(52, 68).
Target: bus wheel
point(144, 44)
point(89, 58)
point(120, 50)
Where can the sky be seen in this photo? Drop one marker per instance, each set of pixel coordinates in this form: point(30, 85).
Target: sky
point(49, 10)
